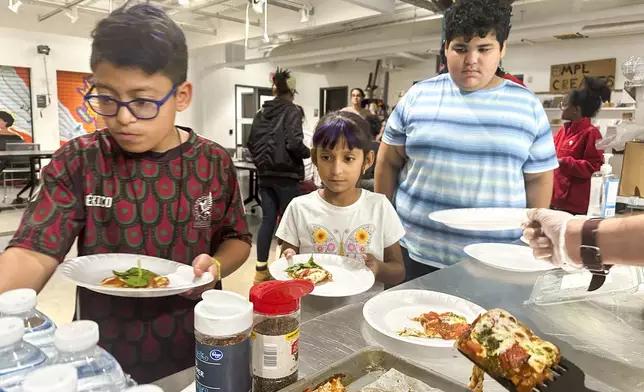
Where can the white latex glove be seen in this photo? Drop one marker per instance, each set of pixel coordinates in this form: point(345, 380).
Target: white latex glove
point(546, 232)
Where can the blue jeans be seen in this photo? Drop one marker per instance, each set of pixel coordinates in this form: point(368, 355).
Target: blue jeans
point(413, 269)
point(274, 199)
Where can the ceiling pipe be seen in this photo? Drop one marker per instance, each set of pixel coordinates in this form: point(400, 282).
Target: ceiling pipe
point(100, 11)
point(379, 25)
point(369, 49)
point(372, 26)
point(428, 5)
point(425, 4)
point(287, 5)
point(59, 10)
point(411, 56)
point(422, 43)
point(204, 13)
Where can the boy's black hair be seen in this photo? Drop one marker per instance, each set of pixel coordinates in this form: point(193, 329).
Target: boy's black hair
point(7, 118)
point(141, 36)
point(343, 126)
point(280, 80)
point(472, 18)
point(590, 97)
point(362, 94)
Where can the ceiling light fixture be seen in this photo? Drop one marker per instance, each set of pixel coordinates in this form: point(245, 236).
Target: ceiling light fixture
point(14, 5)
point(72, 14)
point(183, 2)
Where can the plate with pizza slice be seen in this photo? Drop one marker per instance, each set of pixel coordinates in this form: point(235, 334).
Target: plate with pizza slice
point(130, 275)
point(422, 317)
point(332, 275)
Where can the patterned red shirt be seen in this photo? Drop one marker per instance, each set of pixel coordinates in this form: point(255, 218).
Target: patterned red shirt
point(120, 202)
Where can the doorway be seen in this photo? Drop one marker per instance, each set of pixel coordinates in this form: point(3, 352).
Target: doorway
point(248, 100)
point(333, 98)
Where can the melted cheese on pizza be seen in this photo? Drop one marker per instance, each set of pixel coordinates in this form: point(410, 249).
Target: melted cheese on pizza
point(314, 275)
point(333, 385)
point(498, 331)
point(153, 283)
point(444, 326)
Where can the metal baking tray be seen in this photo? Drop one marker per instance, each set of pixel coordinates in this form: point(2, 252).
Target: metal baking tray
point(366, 366)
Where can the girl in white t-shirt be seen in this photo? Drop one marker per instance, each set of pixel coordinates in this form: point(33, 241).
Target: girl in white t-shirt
point(341, 218)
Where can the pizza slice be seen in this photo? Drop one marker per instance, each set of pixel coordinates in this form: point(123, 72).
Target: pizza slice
point(309, 271)
point(448, 326)
point(505, 348)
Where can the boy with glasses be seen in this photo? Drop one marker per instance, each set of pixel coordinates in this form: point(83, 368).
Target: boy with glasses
point(142, 186)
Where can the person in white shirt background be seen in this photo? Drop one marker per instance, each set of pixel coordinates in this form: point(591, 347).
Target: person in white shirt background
point(341, 218)
point(310, 172)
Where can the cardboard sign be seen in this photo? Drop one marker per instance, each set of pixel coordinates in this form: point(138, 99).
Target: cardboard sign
point(567, 77)
point(632, 178)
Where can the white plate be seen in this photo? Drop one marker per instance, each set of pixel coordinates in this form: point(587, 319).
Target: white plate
point(482, 219)
point(509, 257)
point(392, 311)
point(89, 271)
point(350, 277)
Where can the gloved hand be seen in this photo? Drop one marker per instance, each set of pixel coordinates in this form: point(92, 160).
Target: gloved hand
point(546, 232)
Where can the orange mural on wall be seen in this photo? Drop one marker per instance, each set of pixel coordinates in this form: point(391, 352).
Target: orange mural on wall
point(75, 117)
point(15, 102)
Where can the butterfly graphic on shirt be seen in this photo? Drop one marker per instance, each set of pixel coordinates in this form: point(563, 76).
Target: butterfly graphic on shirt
point(348, 243)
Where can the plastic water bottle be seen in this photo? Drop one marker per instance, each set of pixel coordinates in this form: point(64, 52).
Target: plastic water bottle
point(39, 329)
point(97, 369)
point(17, 357)
point(54, 378)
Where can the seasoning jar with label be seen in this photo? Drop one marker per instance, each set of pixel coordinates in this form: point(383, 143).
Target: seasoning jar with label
point(276, 334)
point(223, 324)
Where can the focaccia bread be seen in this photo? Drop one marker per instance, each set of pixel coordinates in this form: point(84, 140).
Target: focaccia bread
point(505, 348)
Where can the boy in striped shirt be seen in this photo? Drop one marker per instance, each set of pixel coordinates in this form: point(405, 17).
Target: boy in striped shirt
point(465, 139)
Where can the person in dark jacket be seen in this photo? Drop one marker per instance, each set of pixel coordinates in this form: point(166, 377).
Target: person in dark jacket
point(276, 143)
point(575, 143)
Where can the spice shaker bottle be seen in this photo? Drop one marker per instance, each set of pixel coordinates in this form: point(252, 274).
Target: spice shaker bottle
point(223, 324)
point(275, 337)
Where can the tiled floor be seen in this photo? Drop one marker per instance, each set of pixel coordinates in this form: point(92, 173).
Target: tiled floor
point(57, 299)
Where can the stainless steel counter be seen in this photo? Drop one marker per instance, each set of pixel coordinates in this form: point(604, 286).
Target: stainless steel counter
point(604, 337)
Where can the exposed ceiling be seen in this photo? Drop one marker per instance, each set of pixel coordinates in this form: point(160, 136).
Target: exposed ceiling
point(412, 34)
point(411, 22)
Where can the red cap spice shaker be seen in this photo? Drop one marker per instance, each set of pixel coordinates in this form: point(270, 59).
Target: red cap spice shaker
point(275, 336)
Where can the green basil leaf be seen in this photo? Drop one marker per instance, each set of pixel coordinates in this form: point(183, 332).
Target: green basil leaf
point(120, 274)
point(136, 281)
point(295, 267)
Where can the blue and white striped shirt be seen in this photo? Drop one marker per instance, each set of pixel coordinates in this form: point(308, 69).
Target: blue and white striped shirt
point(465, 150)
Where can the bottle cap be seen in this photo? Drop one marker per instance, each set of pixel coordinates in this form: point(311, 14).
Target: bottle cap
point(76, 336)
point(12, 329)
point(223, 313)
point(17, 301)
point(276, 297)
point(59, 378)
point(145, 388)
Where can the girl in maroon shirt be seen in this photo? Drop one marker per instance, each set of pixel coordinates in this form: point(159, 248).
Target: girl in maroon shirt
point(575, 145)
